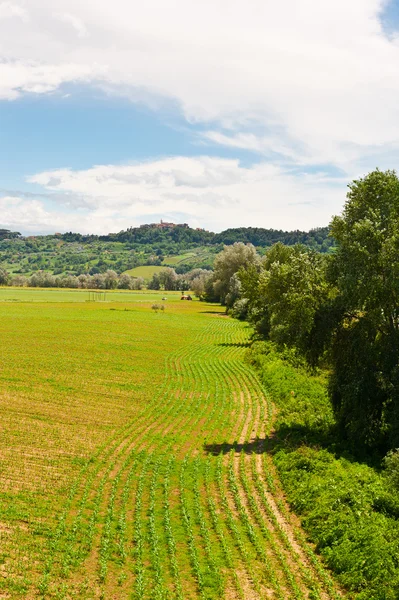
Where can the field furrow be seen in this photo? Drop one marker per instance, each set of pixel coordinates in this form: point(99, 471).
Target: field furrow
point(167, 489)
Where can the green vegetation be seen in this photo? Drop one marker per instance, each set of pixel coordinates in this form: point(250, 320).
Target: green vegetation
point(331, 363)
point(180, 247)
point(145, 417)
point(146, 272)
point(339, 310)
point(9, 294)
point(132, 457)
point(350, 509)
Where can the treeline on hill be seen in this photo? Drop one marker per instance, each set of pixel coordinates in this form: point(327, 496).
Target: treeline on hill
point(76, 254)
point(316, 238)
point(328, 350)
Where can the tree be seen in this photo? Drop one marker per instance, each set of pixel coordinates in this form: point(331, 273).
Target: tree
point(293, 286)
point(4, 277)
point(257, 306)
point(168, 278)
point(154, 283)
point(199, 283)
point(126, 282)
point(365, 269)
point(110, 280)
point(229, 262)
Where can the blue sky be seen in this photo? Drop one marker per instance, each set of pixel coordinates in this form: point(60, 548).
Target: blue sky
point(217, 114)
point(77, 127)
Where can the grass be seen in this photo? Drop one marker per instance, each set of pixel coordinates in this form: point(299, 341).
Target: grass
point(348, 508)
point(173, 261)
point(129, 457)
point(18, 294)
point(198, 257)
point(146, 271)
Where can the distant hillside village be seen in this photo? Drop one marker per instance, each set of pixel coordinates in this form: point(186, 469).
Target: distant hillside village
point(165, 225)
point(163, 244)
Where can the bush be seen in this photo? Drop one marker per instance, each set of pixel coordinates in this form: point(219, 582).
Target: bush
point(240, 309)
point(391, 464)
point(349, 509)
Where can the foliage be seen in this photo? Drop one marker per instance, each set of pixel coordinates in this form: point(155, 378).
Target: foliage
point(348, 509)
point(4, 277)
point(199, 283)
point(239, 310)
point(158, 307)
point(227, 264)
point(292, 284)
point(317, 239)
point(180, 247)
point(391, 464)
point(342, 310)
point(365, 270)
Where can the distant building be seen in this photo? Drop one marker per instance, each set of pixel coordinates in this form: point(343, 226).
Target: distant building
point(164, 225)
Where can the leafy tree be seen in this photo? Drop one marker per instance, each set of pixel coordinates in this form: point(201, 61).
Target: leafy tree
point(293, 285)
point(110, 280)
point(365, 269)
point(168, 279)
point(199, 283)
point(154, 283)
point(4, 277)
point(229, 262)
point(126, 282)
point(257, 307)
point(234, 292)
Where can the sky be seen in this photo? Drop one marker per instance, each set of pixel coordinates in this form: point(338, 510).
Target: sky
point(219, 113)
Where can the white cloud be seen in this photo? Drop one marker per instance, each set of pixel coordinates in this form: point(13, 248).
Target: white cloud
point(19, 77)
point(322, 71)
point(204, 191)
point(76, 23)
point(8, 10)
point(300, 82)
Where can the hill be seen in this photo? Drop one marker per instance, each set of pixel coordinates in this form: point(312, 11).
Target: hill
point(165, 244)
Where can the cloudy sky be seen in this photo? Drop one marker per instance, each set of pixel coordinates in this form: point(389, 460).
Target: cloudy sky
point(219, 113)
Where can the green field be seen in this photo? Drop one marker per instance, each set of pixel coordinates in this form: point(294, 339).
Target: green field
point(61, 295)
point(133, 457)
point(198, 257)
point(146, 271)
point(177, 259)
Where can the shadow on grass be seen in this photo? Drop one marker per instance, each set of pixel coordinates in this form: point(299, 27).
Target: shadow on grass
point(289, 439)
point(235, 344)
point(256, 446)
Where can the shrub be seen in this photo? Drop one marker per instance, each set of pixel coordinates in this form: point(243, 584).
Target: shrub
point(391, 464)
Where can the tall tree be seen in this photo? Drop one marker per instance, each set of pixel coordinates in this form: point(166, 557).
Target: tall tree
point(229, 262)
point(365, 269)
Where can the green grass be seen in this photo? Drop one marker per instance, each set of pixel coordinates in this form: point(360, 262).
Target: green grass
point(146, 271)
point(348, 508)
point(130, 457)
point(60, 295)
point(198, 257)
point(173, 261)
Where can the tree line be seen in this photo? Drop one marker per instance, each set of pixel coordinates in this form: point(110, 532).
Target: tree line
point(339, 310)
point(167, 279)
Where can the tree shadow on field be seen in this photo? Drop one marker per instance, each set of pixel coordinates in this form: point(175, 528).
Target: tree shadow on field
point(289, 438)
point(235, 344)
point(256, 446)
point(213, 312)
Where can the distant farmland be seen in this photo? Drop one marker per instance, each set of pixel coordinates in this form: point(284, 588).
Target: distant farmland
point(146, 271)
point(132, 457)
